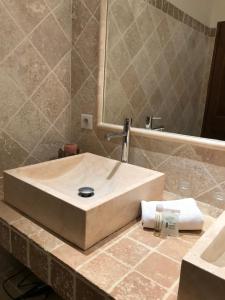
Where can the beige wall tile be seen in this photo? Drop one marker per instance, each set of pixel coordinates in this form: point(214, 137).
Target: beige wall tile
point(27, 13)
point(9, 33)
point(63, 123)
point(53, 3)
point(30, 68)
point(51, 46)
point(92, 5)
point(79, 73)
point(63, 15)
point(63, 71)
point(11, 98)
point(12, 154)
point(87, 44)
point(28, 126)
point(24, 70)
point(51, 98)
point(123, 14)
point(81, 15)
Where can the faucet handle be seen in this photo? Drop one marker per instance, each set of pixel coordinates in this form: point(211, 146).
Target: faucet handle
point(149, 121)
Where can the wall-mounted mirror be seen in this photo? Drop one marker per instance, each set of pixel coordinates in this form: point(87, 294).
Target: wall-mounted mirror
point(158, 65)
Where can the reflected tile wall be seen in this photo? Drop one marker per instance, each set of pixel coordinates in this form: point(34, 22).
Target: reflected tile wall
point(154, 62)
point(35, 76)
point(191, 171)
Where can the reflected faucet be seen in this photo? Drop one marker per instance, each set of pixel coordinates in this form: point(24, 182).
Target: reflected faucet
point(125, 135)
point(149, 123)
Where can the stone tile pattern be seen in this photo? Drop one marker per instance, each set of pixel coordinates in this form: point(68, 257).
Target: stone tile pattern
point(190, 171)
point(35, 73)
point(155, 62)
point(130, 264)
point(180, 15)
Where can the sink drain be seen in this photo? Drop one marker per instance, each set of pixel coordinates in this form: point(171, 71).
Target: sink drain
point(86, 192)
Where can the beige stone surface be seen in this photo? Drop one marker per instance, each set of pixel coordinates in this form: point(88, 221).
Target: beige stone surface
point(147, 152)
point(24, 66)
point(9, 32)
point(48, 193)
point(52, 47)
point(117, 267)
point(205, 264)
point(160, 269)
point(136, 286)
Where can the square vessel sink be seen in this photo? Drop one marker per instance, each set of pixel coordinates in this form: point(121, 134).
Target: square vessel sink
point(49, 193)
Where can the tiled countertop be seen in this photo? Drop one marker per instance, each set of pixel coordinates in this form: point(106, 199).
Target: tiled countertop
point(130, 264)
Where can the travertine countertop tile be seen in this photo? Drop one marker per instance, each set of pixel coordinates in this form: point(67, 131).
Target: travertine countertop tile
point(174, 248)
point(46, 240)
point(130, 262)
point(8, 214)
point(128, 251)
point(145, 236)
point(73, 257)
point(26, 227)
point(136, 286)
point(104, 271)
point(161, 269)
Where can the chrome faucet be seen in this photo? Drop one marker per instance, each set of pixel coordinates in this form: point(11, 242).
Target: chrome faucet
point(125, 134)
point(149, 123)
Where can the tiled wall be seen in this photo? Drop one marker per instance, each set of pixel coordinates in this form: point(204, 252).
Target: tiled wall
point(35, 72)
point(190, 171)
point(155, 66)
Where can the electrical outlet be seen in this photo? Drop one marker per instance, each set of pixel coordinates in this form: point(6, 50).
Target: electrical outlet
point(87, 121)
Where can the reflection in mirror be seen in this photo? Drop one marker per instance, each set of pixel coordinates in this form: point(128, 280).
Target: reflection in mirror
point(158, 61)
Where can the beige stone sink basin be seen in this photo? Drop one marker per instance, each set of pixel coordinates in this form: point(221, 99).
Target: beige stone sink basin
point(215, 253)
point(203, 267)
point(48, 193)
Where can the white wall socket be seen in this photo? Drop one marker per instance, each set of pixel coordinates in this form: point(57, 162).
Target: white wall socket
point(87, 121)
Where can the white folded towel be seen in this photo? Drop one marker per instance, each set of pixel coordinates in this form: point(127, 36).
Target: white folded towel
point(190, 217)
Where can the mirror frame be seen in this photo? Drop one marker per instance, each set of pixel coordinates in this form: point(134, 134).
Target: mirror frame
point(166, 136)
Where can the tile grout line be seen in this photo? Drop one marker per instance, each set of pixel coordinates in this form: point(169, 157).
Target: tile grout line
point(218, 185)
point(29, 99)
point(144, 49)
point(26, 35)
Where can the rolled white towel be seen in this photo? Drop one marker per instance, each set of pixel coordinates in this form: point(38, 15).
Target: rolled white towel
point(190, 217)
